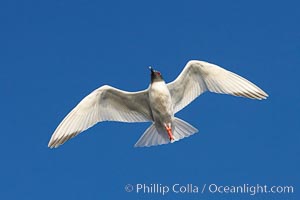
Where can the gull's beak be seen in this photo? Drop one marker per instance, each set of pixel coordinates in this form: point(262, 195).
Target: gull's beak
point(151, 69)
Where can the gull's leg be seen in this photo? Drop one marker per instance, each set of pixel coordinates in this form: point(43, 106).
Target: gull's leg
point(169, 131)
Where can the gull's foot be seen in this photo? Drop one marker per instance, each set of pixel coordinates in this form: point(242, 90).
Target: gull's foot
point(169, 131)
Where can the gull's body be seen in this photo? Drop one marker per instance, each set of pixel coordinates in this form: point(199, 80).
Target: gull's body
point(160, 102)
point(157, 104)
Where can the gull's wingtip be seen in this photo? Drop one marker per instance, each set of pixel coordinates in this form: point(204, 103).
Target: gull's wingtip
point(264, 95)
point(51, 144)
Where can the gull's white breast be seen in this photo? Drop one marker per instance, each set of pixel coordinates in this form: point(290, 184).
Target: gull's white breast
point(161, 102)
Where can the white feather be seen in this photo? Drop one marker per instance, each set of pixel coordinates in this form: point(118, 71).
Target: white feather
point(199, 76)
point(104, 104)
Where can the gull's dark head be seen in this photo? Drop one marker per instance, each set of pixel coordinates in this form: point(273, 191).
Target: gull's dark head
point(155, 75)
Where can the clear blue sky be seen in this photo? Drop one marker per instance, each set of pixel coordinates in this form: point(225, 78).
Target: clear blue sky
point(53, 53)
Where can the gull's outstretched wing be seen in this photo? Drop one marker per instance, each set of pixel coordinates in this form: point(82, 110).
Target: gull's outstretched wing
point(199, 76)
point(104, 104)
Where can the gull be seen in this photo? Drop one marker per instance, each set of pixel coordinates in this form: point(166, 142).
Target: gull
point(157, 104)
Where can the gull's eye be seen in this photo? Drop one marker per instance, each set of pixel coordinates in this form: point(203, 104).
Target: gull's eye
point(158, 73)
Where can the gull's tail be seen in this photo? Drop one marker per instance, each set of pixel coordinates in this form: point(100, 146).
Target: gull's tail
point(153, 136)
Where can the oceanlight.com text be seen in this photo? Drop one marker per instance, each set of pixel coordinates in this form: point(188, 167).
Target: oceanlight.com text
point(250, 189)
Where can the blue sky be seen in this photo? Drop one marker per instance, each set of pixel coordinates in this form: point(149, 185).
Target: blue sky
point(53, 53)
